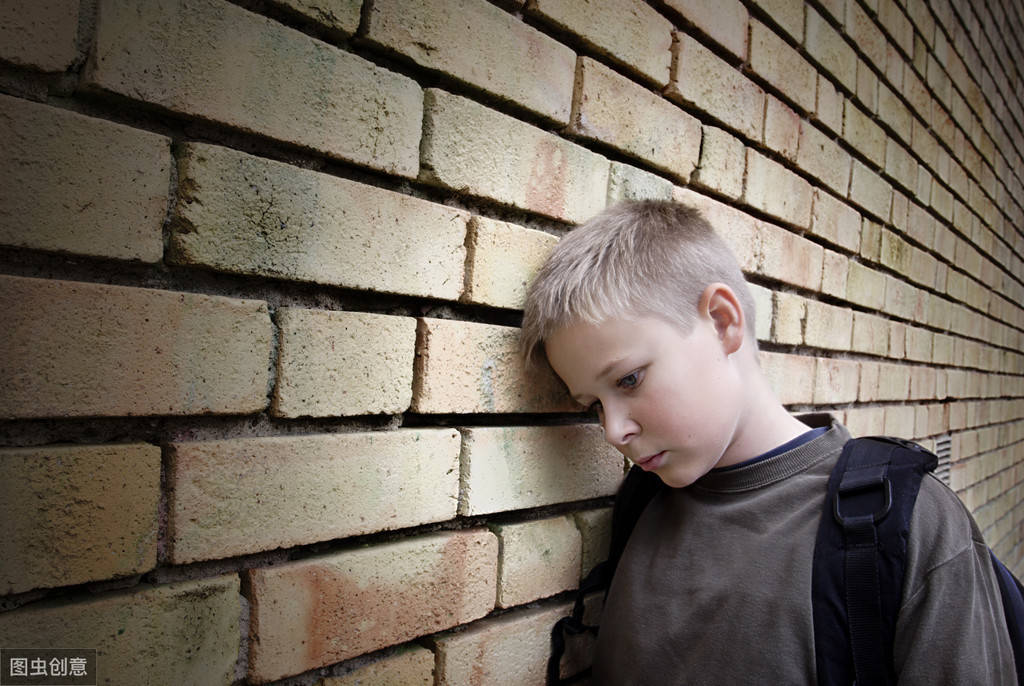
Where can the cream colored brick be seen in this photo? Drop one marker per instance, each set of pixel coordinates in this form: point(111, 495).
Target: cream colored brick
point(40, 34)
point(773, 189)
point(336, 15)
point(611, 109)
point(871, 240)
point(211, 59)
point(238, 496)
point(739, 230)
point(942, 200)
point(723, 163)
point(893, 112)
point(921, 226)
point(790, 376)
point(865, 421)
point(867, 389)
point(180, 633)
point(412, 666)
point(897, 340)
point(343, 363)
point(77, 184)
point(828, 326)
point(502, 260)
point(494, 51)
point(870, 334)
point(901, 299)
point(781, 128)
point(782, 66)
point(893, 382)
point(899, 420)
point(867, 86)
point(825, 45)
point(924, 184)
point(765, 311)
point(626, 182)
point(630, 32)
point(725, 21)
point(789, 14)
point(595, 528)
point(478, 151)
point(870, 191)
point(470, 367)
point(899, 27)
point(900, 165)
point(829, 105)
point(326, 609)
point(865, 34)
point(896, 252)
point(243, 214)
point(705, 81)
point(790, 313)
point(835, 381)
point(513, 468)
point(537, 559)
point(922, 383)
point(923, 268)
point(84, 349)
point(822, 158)
point(790, 258)
point(835, 221)
point(834, 274)
point(77, 513)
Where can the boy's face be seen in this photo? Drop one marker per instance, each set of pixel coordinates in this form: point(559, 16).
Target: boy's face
point(669, 401)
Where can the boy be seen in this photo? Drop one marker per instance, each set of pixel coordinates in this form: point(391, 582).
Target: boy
point(645, 316)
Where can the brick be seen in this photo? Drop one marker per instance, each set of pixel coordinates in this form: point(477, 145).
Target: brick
point(897, 340)
point(942, 200)
point(900, 28)
point(896, 252)
point(924, 184)
point(74, 514)
point(901, 299)
point(626, 182)
point(870, 191)
point(595, 527)
point(765, 311)
point(723, 163)
point(84, 349)
point(781, 128)
point(478, 151)
point(893, 112)
point(788, 14)
point(199, 58)
point(899, 420)
point(773, 189)
point(821, 157)
point(900, 165)
point(502, 260)
point(871, 240)
point(80, 185)
point(865, 34)
point(924, 144)
point(869, 334)
point(343, 363)
point(863, 133)
point(782, 66)
point(790, 258)
point(181, 633)
point(829, 105)
point(247, 215)
point(412, 665)
point(725, 21)
point(834, 274)
point(341, 16)
point(916, 93)
point(865, 286)
point(867, 389)
point(739, 230)
point(828, 326)
point(512, 468)
point(865, 421)
point(537, 559)
point(921, 225)
point(495, 51)
point(239, 496)
point(41, 34)
point(922, 383)
point(923, 268)
point(835, 221)
point(790, 376)
point(835, 381)
point(705, 81)
point(326, 609)
point(629, 32)
point(893, 382)
point(828, 47)
point(867, 86)
point(790, 313)
point(611, 109)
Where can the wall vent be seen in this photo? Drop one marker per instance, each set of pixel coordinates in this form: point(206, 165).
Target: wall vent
point(944, 450)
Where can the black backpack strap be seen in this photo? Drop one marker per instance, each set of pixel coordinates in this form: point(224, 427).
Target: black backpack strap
point(860, 558)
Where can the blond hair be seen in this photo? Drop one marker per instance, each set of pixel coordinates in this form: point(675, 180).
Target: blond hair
point(637, 258)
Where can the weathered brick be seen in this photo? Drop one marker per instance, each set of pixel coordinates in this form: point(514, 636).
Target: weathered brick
point(916, 93)
point(475, 150)
point(924, 144)
point(870, 191)
point(77, 513)
point(835, 221)
point(630, 32)
point(782, 66)
point(865, 34)
point(790, 313)
point(863, 133)
point(739, 230)
point(822, 158)
point(210, 59)
point(343, 363)
point(924, 184)
point(897, 340)
point(595, 528)
point(765, 311)
point(942, 200)
point(828, 326)
point(790, 376)
point(896, 252)
point(781, 128)
point(828, 107)
point(41, 34)
point(80, 185)
point(512, 468)
point(84, 349)
point(341, 16)
point(326, 609)
point(537, 559)
point(828, 47)
point(867, 86)
point(773, 189)
point(834, 274)
point(893, 381)
point(411, 665)
point(835, 381)
point(789, 14)
point(626, 182)
point(867, 389)
point(238, 496)
point(870, 334)
point(611, 109)
point(899, 420)
point(723, 162)
point(893, 112)
point(871, 240)
point(900, 165)
point(790, 258)
point(502, 260)
point(725, 21)
point(921, 226)
point(703, 80)
point(900, 28)
point(865, 421)
point(922, 383)
point(181, 633)
point(495, 51)
point(244, 214)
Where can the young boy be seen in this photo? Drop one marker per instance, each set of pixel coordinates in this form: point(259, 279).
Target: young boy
point(644, 314)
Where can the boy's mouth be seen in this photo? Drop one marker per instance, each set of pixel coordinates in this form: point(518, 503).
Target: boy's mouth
point(651, 461)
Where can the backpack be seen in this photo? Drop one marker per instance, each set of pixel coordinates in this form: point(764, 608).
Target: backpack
point(858, 565)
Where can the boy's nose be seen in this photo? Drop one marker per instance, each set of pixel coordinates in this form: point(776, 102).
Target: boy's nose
point(619, 429)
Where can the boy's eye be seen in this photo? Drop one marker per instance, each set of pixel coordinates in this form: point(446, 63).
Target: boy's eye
point(631, 380)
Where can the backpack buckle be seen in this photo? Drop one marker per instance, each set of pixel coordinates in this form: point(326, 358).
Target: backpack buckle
point(856, 490)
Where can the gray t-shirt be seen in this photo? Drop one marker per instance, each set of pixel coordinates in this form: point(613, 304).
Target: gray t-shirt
point(714, 586)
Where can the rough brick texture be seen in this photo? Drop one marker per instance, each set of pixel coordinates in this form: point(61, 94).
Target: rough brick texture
point(337, 15)
point(40, 34)
point(502, 260)
point(782, 66)
point(772, 188)
point(247, 215)
point(327, 609)
point(538, 559)
point(595, 529)
point(77, 513)
point(81, 185)
point(81, 349)
point(723, 161)
point(237, 496)
point(725, 21)
point(410, 666)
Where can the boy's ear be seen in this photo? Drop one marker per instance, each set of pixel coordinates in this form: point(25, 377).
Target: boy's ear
point(722, 306)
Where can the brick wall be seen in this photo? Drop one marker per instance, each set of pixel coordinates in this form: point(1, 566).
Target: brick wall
point(261, 265)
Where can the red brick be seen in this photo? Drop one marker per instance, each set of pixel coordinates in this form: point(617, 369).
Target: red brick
point(782, 66)
point(725, 21)
point(40, 34)
point(773, 189)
